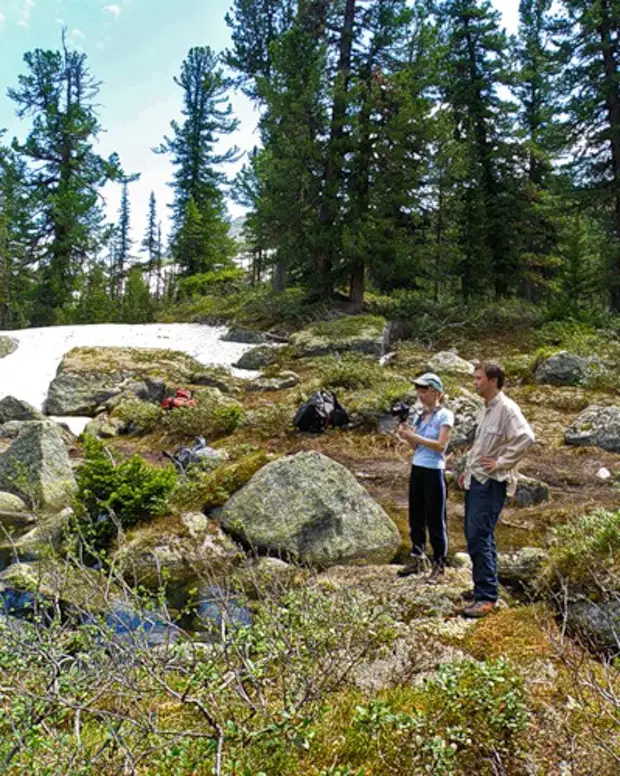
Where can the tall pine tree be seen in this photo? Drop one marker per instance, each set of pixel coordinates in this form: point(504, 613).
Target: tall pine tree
point(591, 48)
point(59, 94)
point(198, 180)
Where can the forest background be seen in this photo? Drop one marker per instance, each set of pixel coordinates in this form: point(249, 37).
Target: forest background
point(409, 156)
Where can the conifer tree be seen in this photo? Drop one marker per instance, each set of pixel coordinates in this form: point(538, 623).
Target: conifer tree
point(17, 242)
point(149, 241)
point(592, 76)
point(198, 181)
point(58, 93)
point(475, 66)
point(537, 88)
point(124, 240)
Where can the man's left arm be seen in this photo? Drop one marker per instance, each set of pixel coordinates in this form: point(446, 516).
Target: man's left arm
point(520, 438)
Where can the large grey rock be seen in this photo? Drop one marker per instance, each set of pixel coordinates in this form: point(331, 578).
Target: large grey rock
point(257, 358)
point(12, 429)
point(105, 427)
point(88, 377)
point(217, 377)
point(529, 492)
point(467, 408)
point(201, 550)
point(16, 409)
point(363, 334)
point(565, 368)
point(598, 624)
point(36, 466)
point(8, 345)
point(80, 394)
point(596, 426)
point(312, 509)
point(448, 362)
point(520, 568)
point(243, 335)
point(278, 383)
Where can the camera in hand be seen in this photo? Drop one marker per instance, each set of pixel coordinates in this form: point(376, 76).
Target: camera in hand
point(400, 411)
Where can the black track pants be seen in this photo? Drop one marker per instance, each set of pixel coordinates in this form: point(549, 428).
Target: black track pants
point(427, 511)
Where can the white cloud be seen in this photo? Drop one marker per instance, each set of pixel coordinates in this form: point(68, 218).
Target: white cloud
point(114, 10)
point(25, 13)
point(77, 34)
point(2, 18)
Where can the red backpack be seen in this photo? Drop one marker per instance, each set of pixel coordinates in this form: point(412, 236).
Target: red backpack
point(181, 398)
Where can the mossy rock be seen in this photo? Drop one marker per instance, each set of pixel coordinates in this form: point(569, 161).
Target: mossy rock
point(88, 377)
point(166, 552)
point(258, 358)
point(362, 334)
point(8, 345)
point(312, 509)
point(36, 466)
point(82, 588)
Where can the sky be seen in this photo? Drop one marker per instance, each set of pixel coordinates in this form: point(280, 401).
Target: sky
point(135, 47)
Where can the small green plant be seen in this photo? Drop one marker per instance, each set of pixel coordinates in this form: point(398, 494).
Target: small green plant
point(585, 555)
point(219, 282)
point(209, 420)
point(465, 714)
point(123, 493)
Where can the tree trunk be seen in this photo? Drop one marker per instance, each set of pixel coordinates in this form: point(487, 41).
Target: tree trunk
point(356, 291)
point(279, 275)
point(613, 113)
point(328, 211)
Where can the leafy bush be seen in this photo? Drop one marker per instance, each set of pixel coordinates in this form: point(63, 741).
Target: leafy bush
point(585, 555)
point(352, 371)
point(218, 282)
point(211, 420)
point(270, 422)
point(468, 714)
point(143, 416)
point(125, 493)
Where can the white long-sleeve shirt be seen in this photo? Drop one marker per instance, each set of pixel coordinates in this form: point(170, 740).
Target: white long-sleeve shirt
point(504, 434)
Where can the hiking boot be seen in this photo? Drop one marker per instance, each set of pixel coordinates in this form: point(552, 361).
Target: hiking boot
point(478, 609)
point(468, 595)
point(436, 574)
point(417, 565)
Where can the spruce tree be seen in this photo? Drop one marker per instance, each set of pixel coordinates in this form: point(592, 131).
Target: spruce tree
point(197, 179)
point(591, 74)
point(475, 66)
point(59, 94)
point(17, 242)
point(537, 88)
point(124, 240)
point(149, 241)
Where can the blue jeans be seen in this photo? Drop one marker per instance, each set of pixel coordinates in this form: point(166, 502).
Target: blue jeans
point(483, 504)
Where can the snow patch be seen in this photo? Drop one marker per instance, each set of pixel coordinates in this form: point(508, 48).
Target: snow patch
point(27, 373)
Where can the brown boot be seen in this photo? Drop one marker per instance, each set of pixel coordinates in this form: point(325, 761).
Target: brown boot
point(436, 574)
point(478, 609)
point(417, 565)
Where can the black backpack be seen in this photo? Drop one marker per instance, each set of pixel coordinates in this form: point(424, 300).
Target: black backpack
point(321, 410)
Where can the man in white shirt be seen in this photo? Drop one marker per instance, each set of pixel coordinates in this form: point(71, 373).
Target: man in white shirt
point(502, 438)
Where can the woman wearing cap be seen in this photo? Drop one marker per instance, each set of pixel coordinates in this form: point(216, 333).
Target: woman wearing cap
point(429, 436)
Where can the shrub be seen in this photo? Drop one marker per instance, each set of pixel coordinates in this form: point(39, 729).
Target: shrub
point(209, 420)
point(270, 422)
point(468, 714)
point(351, 372)
point(111, 495)
point(143, 416)
point(585, 555)
point(219, 282)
